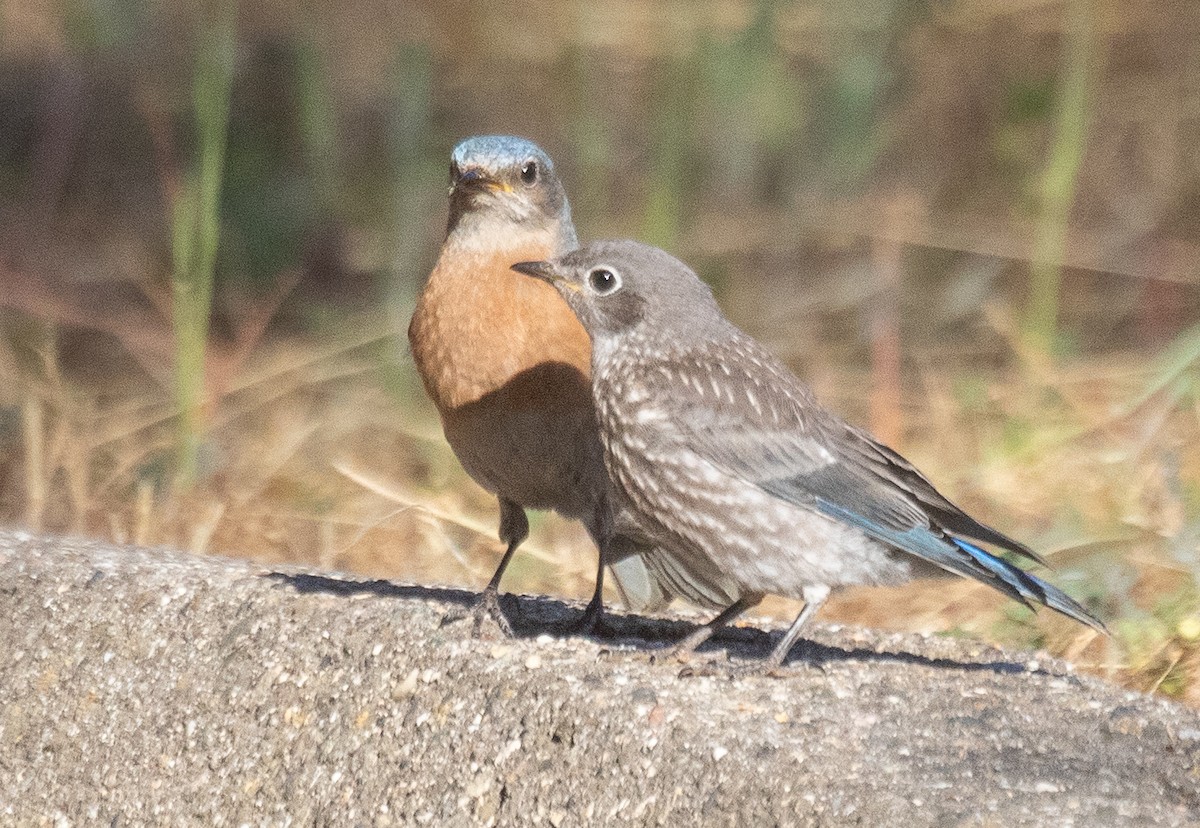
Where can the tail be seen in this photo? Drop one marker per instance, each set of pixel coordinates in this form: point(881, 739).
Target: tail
point(956, 555)
point(648, 577)
point(639, 590)
point(1024, 587)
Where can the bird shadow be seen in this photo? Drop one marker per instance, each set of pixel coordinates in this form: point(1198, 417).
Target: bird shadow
point(533, 616)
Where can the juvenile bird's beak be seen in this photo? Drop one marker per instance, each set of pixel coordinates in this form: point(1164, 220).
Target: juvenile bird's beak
point(538, 270)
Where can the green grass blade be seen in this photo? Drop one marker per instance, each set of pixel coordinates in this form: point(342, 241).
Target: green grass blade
point(195, 232)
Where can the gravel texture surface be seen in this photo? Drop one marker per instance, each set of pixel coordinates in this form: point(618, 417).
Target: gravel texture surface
point(148, 687)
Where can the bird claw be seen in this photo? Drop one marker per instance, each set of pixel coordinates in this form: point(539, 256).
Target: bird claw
point(593, 625)
point(733, 671)
point(591, 622)
point(688, 656)
point(485, 608)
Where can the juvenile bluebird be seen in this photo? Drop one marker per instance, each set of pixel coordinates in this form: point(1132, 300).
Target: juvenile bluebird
point(508, 365)
point(735, 471)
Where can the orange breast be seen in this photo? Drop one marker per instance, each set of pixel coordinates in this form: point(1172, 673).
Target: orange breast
point(508, 366)
point(478, 324)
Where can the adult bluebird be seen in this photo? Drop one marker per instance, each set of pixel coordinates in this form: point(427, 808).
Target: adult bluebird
point(735, 471)
point(507, 364)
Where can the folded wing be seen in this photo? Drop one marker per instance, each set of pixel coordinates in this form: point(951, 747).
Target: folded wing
point(778, 437)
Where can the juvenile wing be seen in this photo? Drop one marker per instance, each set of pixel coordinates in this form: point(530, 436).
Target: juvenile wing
point(743, 411)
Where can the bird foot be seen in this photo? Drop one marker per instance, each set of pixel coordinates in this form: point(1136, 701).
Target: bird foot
point(688, 656)
point(593, 625)
point(733, 671)
point(486, 608)
point(590, 620)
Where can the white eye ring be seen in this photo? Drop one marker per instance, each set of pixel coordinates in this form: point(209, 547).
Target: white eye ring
point(603, 280)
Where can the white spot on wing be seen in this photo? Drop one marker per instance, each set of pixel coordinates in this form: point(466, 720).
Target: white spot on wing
point(753, 400)
point(649, 414)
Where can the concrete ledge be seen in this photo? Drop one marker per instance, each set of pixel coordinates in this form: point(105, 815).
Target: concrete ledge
point(144, 687)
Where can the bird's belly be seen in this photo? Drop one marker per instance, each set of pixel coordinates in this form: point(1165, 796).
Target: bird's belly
point(533, 441)
point(780, 548)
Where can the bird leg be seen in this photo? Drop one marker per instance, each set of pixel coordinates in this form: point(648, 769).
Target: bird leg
point(488, 603)
point(593, 617)
point(814, 597)
point(609, 544)
point(682, 649)
point(601, 530)
point(514, 528)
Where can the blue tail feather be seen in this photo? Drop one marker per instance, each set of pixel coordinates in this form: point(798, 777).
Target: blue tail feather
point(964, 558)
point(1031, 586)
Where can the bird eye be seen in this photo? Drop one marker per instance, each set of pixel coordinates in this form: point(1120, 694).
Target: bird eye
point(604, 281)
point(529, 172)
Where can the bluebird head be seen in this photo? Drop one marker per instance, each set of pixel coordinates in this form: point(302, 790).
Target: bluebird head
point(619, 288)
point(497, 179)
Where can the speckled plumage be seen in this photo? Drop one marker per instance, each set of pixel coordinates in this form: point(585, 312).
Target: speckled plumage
point(731, 466)
point(505, 360)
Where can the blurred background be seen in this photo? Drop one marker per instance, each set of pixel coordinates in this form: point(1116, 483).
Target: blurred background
point(973, 227)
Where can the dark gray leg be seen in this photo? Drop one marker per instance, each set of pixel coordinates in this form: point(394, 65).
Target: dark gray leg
point(514, 528)
point(701, 634)
point(594, 614)
point(600, 527)
point(814, 597)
